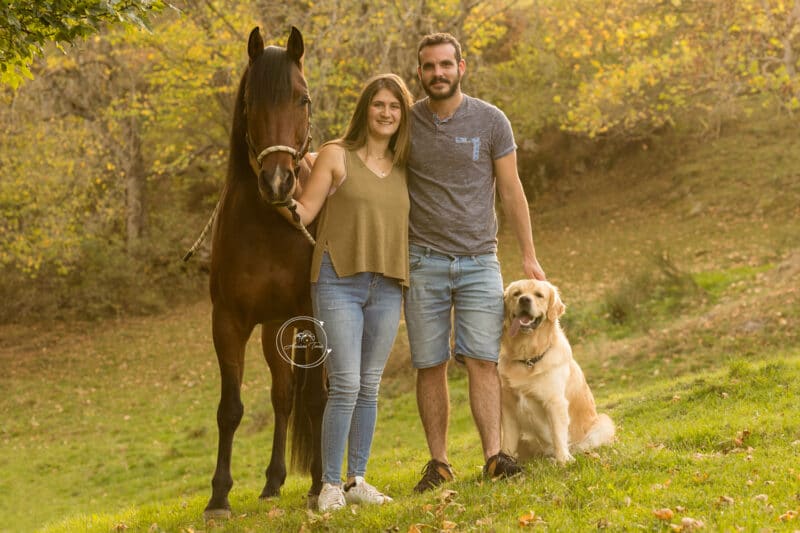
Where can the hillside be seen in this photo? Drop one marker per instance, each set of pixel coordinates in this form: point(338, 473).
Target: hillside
point(723, 211)
point(676, 262)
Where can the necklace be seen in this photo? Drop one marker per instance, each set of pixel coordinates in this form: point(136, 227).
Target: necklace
point(378, 171)
point(376, 167)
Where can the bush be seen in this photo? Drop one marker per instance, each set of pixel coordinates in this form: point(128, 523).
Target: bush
point(107, 280)
point(639, 302)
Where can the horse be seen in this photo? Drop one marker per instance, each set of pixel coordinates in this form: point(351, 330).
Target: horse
point(260, 265)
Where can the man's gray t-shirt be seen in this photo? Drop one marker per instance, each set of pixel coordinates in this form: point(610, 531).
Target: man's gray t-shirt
point(451, 179)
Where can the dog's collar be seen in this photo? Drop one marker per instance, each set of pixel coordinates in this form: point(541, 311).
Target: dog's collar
point(532, 361)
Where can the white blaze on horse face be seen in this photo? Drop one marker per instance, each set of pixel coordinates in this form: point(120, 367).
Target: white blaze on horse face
point(277, 185)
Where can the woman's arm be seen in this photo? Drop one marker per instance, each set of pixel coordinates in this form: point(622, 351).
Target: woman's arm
point(327, 170)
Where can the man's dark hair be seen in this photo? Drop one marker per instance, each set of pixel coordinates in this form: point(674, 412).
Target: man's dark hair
point(439, 38)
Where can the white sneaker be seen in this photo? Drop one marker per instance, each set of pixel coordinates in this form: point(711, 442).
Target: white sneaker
point(331, 498)
point(363, 492)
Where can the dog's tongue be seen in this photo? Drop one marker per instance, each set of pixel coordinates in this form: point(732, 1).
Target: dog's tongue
point(516, 323)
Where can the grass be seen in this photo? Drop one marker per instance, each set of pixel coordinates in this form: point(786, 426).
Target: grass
point(720, 448)
point(111, 425)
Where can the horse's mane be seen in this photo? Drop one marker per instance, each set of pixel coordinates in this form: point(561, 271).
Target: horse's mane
point(270, 79)
point(267, 80)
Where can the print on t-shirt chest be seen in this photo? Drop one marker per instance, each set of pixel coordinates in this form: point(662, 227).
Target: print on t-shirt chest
point(464, 145)
point(476, 145)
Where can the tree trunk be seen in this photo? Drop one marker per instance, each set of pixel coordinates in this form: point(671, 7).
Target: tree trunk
point(134, 185)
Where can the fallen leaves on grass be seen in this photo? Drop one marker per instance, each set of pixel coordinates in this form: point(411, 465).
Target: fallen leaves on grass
point(529, 519)
point(725, 500)
point(484, 523)
point(275, 512)
point(447, 495)
point(688, 524)
point(662, 486)
point(447, 525)
point(665, 514)
point(447, 500)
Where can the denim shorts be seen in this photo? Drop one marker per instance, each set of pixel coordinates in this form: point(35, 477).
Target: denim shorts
point(449, 292)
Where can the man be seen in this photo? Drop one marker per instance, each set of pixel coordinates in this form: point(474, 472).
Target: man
point(461, 149)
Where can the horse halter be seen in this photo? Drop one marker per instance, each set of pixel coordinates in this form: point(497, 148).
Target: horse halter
point(297, 155)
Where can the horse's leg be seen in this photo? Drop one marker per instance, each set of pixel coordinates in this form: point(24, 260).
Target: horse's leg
point(316, 395)
point(230, 338)
point(282, 383)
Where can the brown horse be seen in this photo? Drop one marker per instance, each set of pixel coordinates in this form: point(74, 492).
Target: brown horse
point(260, 264)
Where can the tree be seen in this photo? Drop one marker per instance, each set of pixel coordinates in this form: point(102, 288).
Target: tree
point(27, 26)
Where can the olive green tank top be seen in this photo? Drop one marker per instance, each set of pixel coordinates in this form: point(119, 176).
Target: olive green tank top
point(364, 224)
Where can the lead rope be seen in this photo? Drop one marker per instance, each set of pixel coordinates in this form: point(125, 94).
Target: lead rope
point(202, 237)
point(292, 207)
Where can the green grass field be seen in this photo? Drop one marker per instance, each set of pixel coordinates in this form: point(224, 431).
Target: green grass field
point(681, 277)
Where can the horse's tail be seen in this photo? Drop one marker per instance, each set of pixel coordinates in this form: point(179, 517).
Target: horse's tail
point(308, 404)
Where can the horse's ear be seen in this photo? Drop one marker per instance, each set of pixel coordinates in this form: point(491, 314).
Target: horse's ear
point(294, 46)
point(255, 45)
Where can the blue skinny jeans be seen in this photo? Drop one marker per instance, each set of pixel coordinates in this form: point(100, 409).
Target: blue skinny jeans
point(360, 315)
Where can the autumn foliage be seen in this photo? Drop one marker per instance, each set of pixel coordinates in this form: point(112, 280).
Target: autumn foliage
point(116, 148)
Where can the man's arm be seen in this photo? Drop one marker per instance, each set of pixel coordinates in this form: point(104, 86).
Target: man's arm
point(515, 206)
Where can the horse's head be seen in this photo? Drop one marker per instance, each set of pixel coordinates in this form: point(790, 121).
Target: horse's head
point(277, 110)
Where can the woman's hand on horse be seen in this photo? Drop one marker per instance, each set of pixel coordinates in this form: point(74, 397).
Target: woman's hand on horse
point(328, 169)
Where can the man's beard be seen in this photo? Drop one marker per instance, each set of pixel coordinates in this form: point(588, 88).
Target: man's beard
point(442, 96)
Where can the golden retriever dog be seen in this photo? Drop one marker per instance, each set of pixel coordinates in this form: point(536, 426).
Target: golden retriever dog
point(548, 409)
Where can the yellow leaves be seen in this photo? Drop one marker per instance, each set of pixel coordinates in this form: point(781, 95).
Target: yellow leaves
point(620, 38)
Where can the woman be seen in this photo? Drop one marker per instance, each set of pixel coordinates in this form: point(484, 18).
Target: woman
point(358, 269)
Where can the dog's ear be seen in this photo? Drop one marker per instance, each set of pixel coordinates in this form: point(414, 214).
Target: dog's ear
point(506, 290)
point(555, 307)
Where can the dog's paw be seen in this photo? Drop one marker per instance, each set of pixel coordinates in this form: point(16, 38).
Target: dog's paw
point(564, 458)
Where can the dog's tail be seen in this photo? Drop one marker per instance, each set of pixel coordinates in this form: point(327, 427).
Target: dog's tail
point(601, 433)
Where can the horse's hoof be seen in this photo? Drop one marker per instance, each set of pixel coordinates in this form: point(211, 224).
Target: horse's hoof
point(216, 514)
point(312, 502)
point(268, 493)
